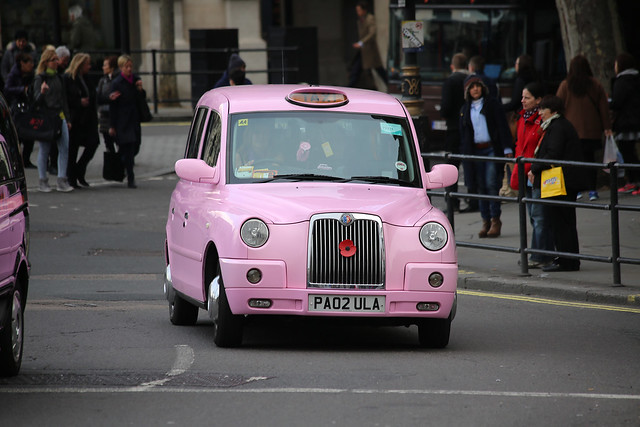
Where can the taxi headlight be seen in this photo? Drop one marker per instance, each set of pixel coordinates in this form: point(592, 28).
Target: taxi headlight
point(254, 233)
point(433, 236)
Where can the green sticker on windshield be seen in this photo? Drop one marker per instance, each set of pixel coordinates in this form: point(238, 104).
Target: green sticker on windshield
point(390, 129)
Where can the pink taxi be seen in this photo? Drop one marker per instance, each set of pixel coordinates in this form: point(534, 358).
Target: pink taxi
point(14, 246)
point(308, 201)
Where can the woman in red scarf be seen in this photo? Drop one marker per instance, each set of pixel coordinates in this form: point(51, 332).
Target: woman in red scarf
point(527, 139)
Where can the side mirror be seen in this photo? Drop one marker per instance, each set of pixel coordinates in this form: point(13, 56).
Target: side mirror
point(441, 176)
point(196, 170)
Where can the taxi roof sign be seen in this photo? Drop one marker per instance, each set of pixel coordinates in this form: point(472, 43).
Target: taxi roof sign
point(318, 97)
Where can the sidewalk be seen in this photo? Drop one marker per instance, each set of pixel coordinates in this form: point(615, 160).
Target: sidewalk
point(480, 269)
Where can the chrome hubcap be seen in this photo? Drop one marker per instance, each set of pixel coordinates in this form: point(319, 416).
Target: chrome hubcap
point(16, 326)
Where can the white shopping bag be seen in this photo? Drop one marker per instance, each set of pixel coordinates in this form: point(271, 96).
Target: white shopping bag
point(612, 154)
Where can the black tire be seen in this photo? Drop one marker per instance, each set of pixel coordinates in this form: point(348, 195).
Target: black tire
point(227, 326)
point(12, 336)
point(182, 313)
point(434, 333)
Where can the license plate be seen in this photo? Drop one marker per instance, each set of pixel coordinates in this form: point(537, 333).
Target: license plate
point(347, 303)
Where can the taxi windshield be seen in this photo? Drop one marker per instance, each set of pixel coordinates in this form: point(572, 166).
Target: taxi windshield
point(322, 146)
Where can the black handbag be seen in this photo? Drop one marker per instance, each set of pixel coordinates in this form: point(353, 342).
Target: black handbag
point(143, 107)
point(112, 168)
point(37, 124)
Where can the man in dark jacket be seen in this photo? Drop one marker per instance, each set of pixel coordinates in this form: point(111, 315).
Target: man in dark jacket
point(19, 45)
point(237, 68)
point(450, 105)
point(16, 90)
point(476, 66)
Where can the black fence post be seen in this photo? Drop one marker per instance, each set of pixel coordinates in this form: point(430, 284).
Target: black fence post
point(155, 80)
point(615, 224)
point(522, 217)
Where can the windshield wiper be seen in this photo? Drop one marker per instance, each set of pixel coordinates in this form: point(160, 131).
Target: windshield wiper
point(305, 177)
point(380, 179)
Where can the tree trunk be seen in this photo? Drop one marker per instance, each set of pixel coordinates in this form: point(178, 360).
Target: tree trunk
point(591, 28)
point(168, 86)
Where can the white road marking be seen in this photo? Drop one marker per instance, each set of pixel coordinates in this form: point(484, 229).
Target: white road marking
point(184, 359)
point(287, 390)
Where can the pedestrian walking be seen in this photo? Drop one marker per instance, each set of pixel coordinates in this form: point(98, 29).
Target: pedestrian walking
point(586, 106)
point(110, 71)
point(83, 117)
point(17, 89)
point(50, 93)
point(367, 58)
point(125, 116)
point(484, 132)
point(450, 104)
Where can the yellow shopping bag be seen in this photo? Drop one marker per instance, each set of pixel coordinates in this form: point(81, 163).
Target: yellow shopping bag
point(552, 183)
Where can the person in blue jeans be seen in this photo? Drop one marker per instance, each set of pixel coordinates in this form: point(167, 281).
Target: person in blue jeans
point(50, 94)
point(528, 135)
point(484, 132)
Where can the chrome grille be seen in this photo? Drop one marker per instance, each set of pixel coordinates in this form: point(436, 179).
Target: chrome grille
point(327, 268)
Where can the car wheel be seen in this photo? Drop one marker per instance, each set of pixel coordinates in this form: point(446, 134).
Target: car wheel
point(182, 313)
point(227, 326)
point(12, 337)
point(434, 333)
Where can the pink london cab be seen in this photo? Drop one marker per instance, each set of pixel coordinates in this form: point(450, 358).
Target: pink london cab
point(308, 201)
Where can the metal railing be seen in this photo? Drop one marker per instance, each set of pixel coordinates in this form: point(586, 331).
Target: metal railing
point(281, 69)
point(614, 207)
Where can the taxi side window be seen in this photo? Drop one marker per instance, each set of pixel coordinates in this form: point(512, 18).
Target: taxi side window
point(211, 148)
point(197, 127)
point(9, 140)
point(5, 171)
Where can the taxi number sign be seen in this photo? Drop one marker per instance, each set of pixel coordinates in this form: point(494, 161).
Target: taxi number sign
point(347, 303)
point(318, 99)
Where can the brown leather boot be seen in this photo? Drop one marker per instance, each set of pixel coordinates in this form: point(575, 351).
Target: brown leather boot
point(496, 226)
point(485, 229)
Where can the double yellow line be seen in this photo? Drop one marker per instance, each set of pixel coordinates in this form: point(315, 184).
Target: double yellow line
point(550, 301)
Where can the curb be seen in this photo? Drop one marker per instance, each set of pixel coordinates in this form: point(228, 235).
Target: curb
point(613, 295)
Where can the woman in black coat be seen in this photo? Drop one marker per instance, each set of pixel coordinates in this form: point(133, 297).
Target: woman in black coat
point(81, 97)
point(110, 72)
point(560, 141)
point(125, 116)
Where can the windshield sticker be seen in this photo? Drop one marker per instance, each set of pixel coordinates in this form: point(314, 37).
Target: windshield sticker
point(401, 166)
point(244, 172)
point(264, 173)
point(326, 147)
point(390, 129)
point(243, 122)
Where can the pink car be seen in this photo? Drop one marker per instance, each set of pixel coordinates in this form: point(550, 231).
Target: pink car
point(14, 246)
point(308, 201)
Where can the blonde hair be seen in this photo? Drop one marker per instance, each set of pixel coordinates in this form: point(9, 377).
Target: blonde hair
point(123, 59)
point(76, 62)
point(47, 55)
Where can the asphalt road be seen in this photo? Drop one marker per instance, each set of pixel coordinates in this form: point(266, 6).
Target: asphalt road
point(100, 349)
